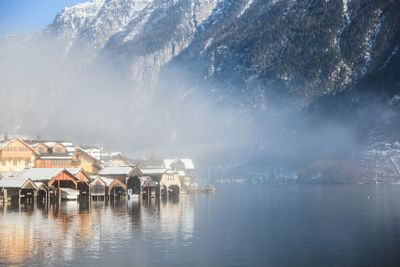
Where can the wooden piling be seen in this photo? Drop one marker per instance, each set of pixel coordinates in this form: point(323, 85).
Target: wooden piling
point(59, 192)
point(5, 196)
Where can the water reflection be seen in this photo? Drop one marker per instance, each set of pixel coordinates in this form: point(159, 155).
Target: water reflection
point(267, 225)
point(48, 234)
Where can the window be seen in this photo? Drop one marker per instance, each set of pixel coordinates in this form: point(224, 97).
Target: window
point(170, 177)
point(3, 162)
point(27, 162)
point(15, 162)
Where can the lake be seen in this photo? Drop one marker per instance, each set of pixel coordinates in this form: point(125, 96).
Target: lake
point(238, 225)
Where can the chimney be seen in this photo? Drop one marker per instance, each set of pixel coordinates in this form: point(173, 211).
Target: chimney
point(5, 137)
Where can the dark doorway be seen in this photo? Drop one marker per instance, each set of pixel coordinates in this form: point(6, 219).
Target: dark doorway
point(133, 183)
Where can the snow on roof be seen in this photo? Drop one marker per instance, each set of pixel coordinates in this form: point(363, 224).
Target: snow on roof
point(70, 149)
point(39, 174)
point(73, 171)
point(78, 148)
point(4, 143)
point(187, 162)
point(168, 162)
point(148, 181)
point(120, 156)
point(12, 182)
point(50, 144)
point(67, 144)
point(15, 174)
point(116, 170)
point(35, 144)
point(153, 171)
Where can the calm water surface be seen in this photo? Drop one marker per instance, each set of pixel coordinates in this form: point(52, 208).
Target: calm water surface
point(239, 225)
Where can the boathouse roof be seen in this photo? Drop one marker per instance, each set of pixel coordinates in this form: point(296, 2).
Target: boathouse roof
point(147, 181)
point(153, 171)
point(74, 171)
point(116, 170)
point(106, 181)
point(121, 157)
point(43, 174)
point(12, 182)
point(39, 174)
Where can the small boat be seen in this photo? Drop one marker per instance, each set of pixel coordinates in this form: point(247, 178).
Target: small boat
point(210, 189)
point(197, 188)
point(134, 197)
point(69, 194)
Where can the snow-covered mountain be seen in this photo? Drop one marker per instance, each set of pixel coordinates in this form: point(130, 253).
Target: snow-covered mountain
point(306, 48)
point(140, 31)
point(322, 60)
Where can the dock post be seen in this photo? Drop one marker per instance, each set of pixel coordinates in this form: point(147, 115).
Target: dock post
point(5, 196)
point(59, 192)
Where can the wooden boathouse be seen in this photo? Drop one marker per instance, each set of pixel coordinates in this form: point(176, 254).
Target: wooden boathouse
point(150, 188)
point(99, 188)
point(168, 181)
point(52, 179)
point(22, 189)
point(126, 175)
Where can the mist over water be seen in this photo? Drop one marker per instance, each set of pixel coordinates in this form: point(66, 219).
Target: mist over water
point(93, 101)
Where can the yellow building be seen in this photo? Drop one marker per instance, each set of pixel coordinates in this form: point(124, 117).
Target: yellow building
point(88, 163)
point(54, 155)
point(119, 160)
point(170, 179)
point(16, 155)
point(65, 155)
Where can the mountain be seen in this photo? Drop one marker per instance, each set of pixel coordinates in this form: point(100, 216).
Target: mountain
point(307, 48)
point(291, 80)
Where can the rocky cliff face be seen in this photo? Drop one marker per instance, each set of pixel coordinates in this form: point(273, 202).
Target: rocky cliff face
point(304, 49)
point(140, 36)
point(307, 49)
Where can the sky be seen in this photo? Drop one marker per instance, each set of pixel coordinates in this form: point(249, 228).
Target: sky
point(28, 16)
